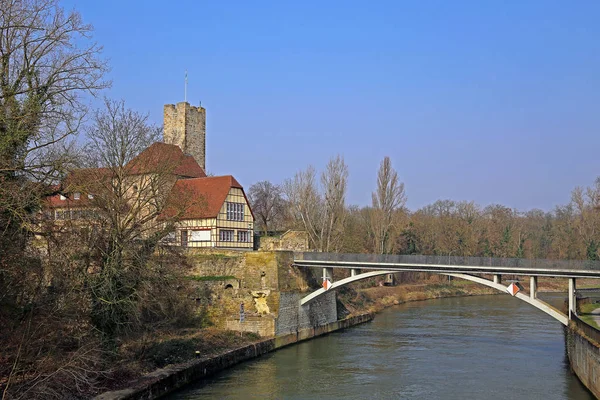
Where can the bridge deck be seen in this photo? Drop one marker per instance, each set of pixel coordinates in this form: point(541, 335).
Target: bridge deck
point(452, 264)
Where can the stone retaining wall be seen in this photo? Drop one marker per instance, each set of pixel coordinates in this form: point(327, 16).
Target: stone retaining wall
point(584, 356)
point(294, 318)
point(262, 325)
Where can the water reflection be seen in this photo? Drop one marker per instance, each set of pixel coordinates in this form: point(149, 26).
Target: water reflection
point(485, 347)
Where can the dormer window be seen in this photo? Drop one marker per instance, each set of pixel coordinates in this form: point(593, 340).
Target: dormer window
point(77, 195)
point(63, 198)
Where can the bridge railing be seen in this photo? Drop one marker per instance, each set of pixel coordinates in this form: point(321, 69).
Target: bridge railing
point(455, 260)
point(587, 329)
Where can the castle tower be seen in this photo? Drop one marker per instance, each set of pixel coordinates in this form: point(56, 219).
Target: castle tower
point(185, 126)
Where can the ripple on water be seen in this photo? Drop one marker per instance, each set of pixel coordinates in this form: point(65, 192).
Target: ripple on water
point(485, 347)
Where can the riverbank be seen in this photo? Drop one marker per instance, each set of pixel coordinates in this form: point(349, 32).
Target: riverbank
point(375, 299)
point(173, 377)
point(415, 351)
point(225, 348)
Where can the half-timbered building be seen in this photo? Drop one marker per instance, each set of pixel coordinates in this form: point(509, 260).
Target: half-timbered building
point(209, 211)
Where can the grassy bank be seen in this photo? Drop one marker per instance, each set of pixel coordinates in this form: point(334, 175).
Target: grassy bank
point(374, 299)
point(585, 313)
point(138, 357)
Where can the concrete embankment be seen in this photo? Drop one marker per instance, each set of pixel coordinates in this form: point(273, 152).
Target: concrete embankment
point(171, 378)
point(583, 349)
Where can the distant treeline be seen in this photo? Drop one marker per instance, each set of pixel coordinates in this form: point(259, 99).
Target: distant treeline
point(446, 227)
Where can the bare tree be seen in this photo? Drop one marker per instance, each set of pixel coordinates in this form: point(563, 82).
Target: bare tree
point(306, 203)
point(103, 274)
point(134, 199)
point(320, 210)
point(587, 204)
point(267, 204)
point(48, 65)
point(388, 198)
point(334, 182)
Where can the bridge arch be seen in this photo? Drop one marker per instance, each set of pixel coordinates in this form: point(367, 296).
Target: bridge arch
point(543, 306)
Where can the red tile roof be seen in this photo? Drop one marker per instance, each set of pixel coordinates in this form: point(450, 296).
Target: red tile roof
point(84, 181)
point(162, 157)
point(193, 197)
point(159, 157)
point(206, 196)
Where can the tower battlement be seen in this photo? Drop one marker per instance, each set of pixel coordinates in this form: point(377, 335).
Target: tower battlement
point(185, 126)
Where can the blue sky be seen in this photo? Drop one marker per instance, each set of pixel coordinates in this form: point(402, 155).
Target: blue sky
point(492, 101)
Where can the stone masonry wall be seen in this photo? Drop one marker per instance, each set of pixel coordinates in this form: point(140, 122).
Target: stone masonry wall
point(263, 325)
point(293, 317)
point(195, 139)
point(289, 241)
point(209, 262)
point(584, 356)
point(185, 126)
point(270, 288)
point(258, 277)
point(174, 124)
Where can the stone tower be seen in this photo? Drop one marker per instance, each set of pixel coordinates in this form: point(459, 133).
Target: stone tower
point(185, 126)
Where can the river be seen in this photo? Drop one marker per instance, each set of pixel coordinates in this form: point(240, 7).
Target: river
point(481, 347)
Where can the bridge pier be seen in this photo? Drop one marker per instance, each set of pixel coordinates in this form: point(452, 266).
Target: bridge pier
point(572, 297)
point(533, 287)
point(328, 274)
point(498, 278)
point(354, 271)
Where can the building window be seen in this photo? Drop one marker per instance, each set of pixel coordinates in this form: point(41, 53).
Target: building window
point(90, 214)
point(62, 197)
point(90, 196)
point(235, 211)
point(200, 236)
point(76, 195)
point(226, 235)
point(243, 236)
point(170, 238)
point(184, 238)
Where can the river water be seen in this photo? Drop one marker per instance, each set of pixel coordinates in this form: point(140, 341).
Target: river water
point(481, 347)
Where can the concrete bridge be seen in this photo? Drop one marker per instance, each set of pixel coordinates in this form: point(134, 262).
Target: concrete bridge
point(474, 269)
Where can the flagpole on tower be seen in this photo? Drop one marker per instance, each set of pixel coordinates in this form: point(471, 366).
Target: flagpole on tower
point(185, 88)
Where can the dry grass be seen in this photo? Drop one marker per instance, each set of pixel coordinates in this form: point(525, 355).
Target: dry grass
point(178, 347)
point(376, 298)
point(146, 354)
point(586, 313)
point(373, 299)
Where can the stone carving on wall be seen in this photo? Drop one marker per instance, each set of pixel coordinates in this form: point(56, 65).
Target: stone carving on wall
point(260, 301)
